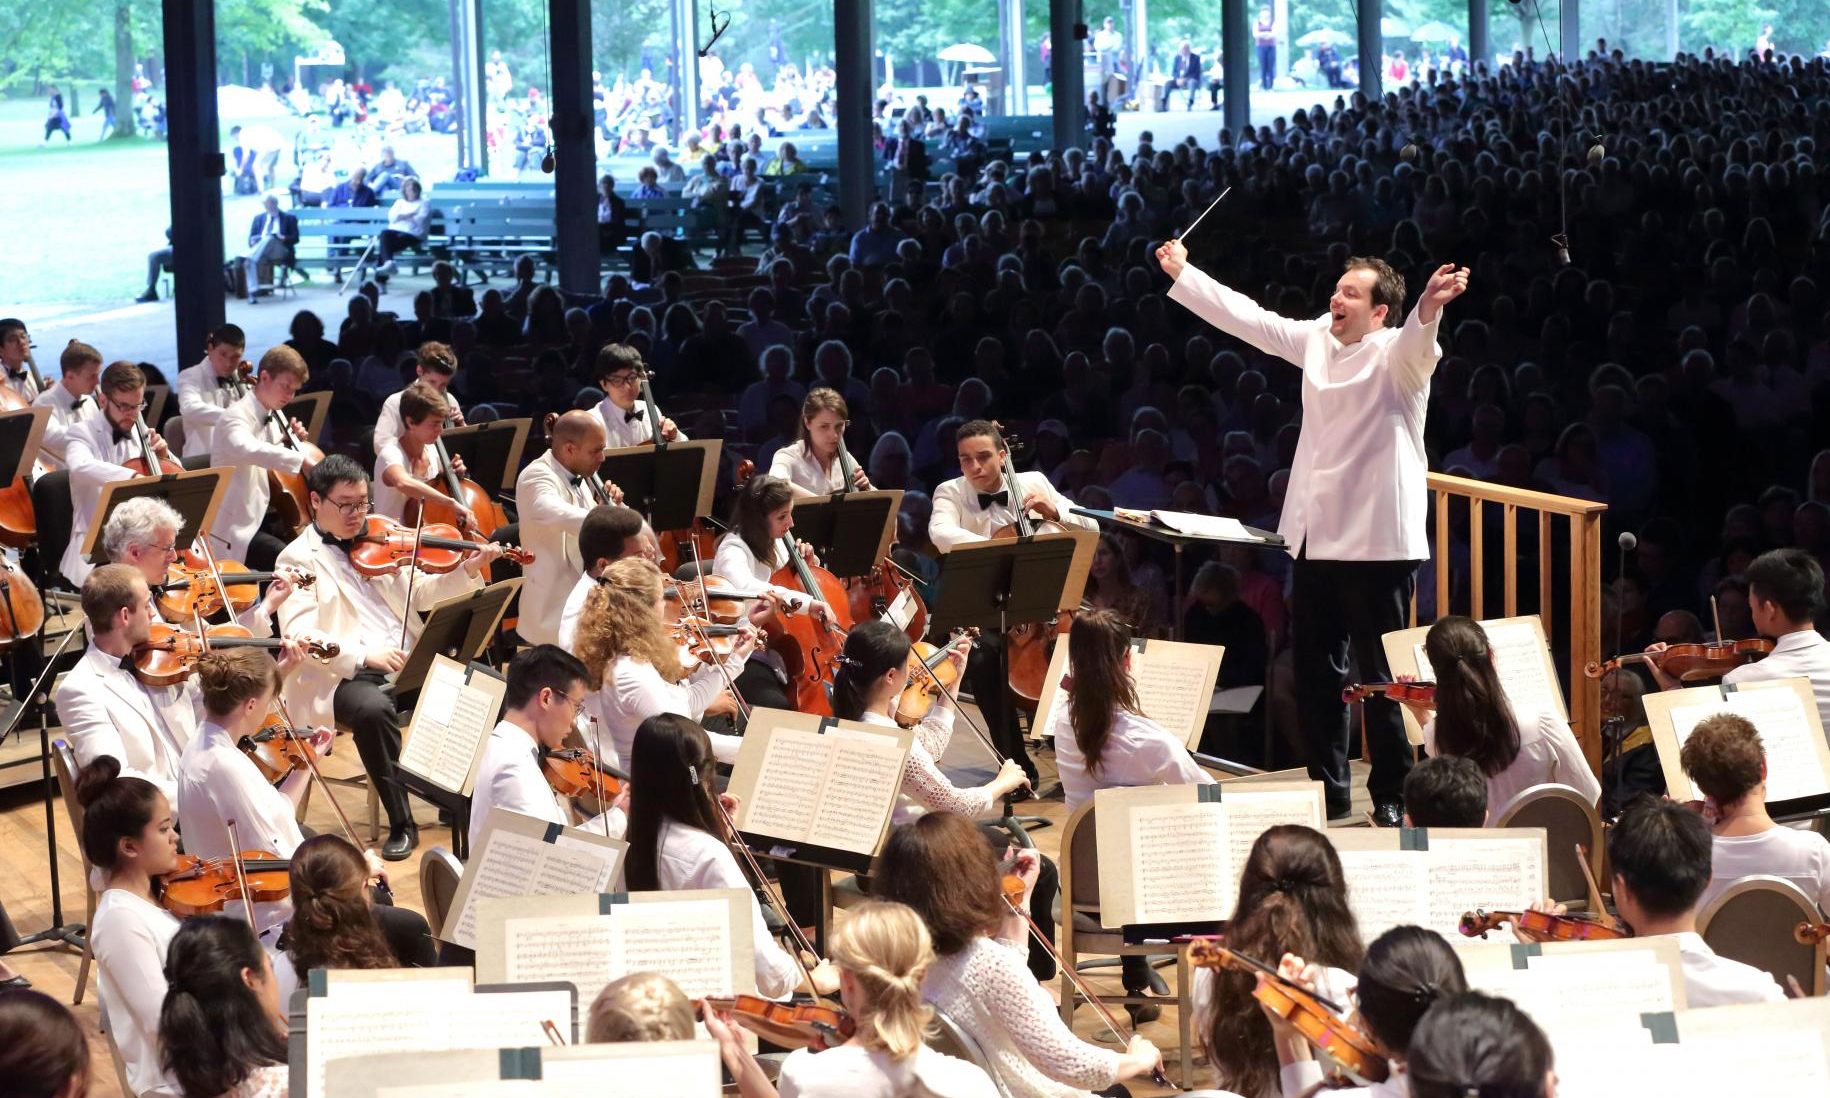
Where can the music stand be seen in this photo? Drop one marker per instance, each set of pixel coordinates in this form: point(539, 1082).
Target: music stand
point(457, 803)
point(459, 628)
point(310, 409)
point(157, 396)
point(851, 531)
point(491, 451)
point(1177, 541)
point(671, 485)
point(195, 494)
point(21, 436)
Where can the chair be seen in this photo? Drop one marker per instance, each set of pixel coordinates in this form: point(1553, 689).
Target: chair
point(439, 871)
point(950, 1039)
point(172, 430)
point(107, 1032)
point(1752, 921)
point(56, 516)
point(64, 761)
point(1081, 932)
point(1568, 819)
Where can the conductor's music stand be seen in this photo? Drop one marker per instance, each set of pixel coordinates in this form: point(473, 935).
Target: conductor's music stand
point(491, 451)
point(195, 494)
point(851, 532)
point(671, 485)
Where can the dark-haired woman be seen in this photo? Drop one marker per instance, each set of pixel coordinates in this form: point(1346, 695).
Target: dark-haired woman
point(1406, 971)
point(333, 923)
point(1474, 719)
point(677, 838)
point(43, 1052)
point(129, 839)
point(1474, 1044)
point(1292, 899)
point(222, 1033)
point(761, 516)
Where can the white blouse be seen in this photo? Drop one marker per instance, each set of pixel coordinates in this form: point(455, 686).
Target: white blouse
point(734, 561)
point(1802, 857)
point(1548, 752)
point(1138, 751)
point(987, 990)
point(633, 691)
point(690, 858)
point(130, 936)
point(852, 1071)
point(925, 788)
point(795, 463)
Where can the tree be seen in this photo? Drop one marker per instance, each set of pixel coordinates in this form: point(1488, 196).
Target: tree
point(123, 68)
point(1727, 24)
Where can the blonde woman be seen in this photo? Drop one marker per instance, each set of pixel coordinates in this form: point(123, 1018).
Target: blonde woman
point(812, 464)
point(882, 952)
point(634, 667)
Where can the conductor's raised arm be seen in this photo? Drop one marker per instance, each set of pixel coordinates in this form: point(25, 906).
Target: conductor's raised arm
point(1230, 311)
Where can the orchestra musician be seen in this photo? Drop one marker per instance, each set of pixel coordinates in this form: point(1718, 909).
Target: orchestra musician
point(1724, 758)
point(407, 465)
point(96, 452)
point(554, 500)
point(368, 618)
point(620, 370)
point(43, 1050)
point(222, 1032)
point(1477, 1044)
point(71, 400)
point(609, 533)
point(105, 710)
point(437, 366)
point(341, 920)
point(812, 463)
point(249, 439)
point(748, 555)
point(206, 389)
point(1354, 512)
point(971, 507)
point(143, 532)
point(18, 371)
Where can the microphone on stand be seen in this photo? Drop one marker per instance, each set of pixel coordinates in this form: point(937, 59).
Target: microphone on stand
point(1613, 729)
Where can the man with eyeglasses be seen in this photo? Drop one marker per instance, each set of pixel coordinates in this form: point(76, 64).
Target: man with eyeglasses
point(97, 452)
point(547, 687)
point(250, 438)
point(20, 372)
point(368, 618)
point(143, 532)
point(619, 371)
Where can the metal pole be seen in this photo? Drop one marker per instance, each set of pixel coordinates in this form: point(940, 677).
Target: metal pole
point(1480, 45)
point(1372, 46)
point(1236, 76)
point(574, 147)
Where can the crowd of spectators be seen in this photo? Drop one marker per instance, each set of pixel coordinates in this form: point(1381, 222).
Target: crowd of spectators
point(1671, 368)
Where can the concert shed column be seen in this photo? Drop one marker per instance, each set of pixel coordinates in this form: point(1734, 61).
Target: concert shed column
point(1480, 48)
point(1569, 30)
point(1236, 65)
point(194, 166)
point(1067, 77)
point(468, 86)
point(574, 149)
point(1371, 14)
point(851, 38)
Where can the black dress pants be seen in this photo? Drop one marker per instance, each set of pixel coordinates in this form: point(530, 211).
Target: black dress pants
point(991, 691)
point(1341, 607)
point(368, 710)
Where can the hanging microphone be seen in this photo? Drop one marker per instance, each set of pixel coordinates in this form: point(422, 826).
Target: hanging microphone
point(546, 162)
point(1562, 244)
point(1628, 542)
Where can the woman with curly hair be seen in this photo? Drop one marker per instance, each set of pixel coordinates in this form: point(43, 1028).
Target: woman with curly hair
point(333, 923)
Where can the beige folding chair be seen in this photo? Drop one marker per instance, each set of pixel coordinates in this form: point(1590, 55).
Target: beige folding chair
point(439, 871)
point(64, 761)
point(1752, 921)
point(1081, 932)
point(950, 1038)
point(1567, 818)
point(107, 1031)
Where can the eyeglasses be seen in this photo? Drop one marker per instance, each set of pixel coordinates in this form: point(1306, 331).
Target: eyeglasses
point(128, 406)
point(577, 705)
point(165, 550)
point(351, 510)
point(621, 381)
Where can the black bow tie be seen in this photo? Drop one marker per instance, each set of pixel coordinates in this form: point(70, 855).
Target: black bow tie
point(127, 662)
point(986, 499)
point(632, 415)
point(225, 383)
point(77, 404)
point(16, 375)
point(330, 539)
point(578, 480)
point(121, 436)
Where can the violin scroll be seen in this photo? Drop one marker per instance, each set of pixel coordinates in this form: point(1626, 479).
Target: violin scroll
point(1808, 933)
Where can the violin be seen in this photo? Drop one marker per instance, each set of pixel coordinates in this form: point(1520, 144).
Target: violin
point(708, 642)
point(930, 673)
point(807, 646)
point(885, 586)
point(1542, 925)
point(170, 654)
point(278, 749)
point(1690, 662)
point(435, 548)
point(575, 772)
point(1415, 693)
point(813, 1026)
point(711, 597)
point(18, 521)
point(190, 588)
point(1808, 933)
point(197, 887)
point(1030, 646)
point(1316, 1018)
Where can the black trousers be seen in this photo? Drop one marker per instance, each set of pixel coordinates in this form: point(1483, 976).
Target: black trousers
point(991, 690)
point(263, 551)
point(369, 712)
point(409, 935)
point(1340, 607)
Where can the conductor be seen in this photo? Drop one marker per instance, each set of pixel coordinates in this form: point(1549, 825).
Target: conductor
point(1354, 512)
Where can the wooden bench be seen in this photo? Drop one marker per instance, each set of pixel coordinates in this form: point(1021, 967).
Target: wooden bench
point(487, 237)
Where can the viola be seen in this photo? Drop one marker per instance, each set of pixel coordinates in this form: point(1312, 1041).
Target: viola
point(576, 772)
point(712, 597)
point(278, 748)
point(1415, 693)
point(874, 594)
point(930, 672)
point(815, 1026)
point(1316, 1018)
point(807, 646)
point(384, 544)
point(697, 542)
point(190, 588)
point(706, 641)
point(1810, 934)
point(18, 521)
point(197, 887)
point(170, 654)
point(1690, 662)
point(1542, 925)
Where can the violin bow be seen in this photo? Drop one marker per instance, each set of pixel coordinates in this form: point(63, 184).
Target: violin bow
point(1588, 874)
point(597, 772)
point(406, 614)
point(952, 696)
point(705, 602)
point(769, 889)
point(552, 1033)
point(241, 880)
point(311, 765)
point(1244, 961)
point(222, 592)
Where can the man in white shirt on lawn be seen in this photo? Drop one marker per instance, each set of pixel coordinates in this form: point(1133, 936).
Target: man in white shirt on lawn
point(71, 400)
point(1354, 510)
point(208, 388)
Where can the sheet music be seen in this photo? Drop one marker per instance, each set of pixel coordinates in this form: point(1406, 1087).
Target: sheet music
point(1385, 888)
point(673, 1069)
point(356, 1025)
point(690, 940)
point(1792, 764)
point(481, 1088)
point(1173, 685)
point(901, 611)
point(449, 725)
point(836, 788)
point(1182, 868)
point(1586, 987)
point(1518, 660)
point(579, 949)
point(510, 864)
point(1464, 874)
point(1206, 526)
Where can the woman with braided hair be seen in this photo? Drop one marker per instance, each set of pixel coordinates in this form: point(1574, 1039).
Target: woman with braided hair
point(333, 923)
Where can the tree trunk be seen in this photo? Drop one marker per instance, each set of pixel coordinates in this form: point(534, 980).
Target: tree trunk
point(123, 69)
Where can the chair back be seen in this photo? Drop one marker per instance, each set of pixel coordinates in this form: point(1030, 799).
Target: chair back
point(56, 516)
point(439, 871)
point(1567, 818)
point(1080, 861)
point(1752, 921)
point(172, 430)
point(63, 762)
point(950, 1038)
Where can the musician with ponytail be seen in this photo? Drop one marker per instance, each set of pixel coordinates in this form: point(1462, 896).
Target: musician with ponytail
point(333, 922)
point(222, 1032)
point(1477, 1046)
point(1475, 719)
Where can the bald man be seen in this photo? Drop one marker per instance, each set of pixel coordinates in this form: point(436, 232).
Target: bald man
point(554, 495)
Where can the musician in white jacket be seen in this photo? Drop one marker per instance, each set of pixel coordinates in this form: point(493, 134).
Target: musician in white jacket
point(554, 498)
point(620, 370)
point(251, 440)
point(208, 388)
point(71, 400)
point(1354, 512)
point(437, 368)
point(97, 451)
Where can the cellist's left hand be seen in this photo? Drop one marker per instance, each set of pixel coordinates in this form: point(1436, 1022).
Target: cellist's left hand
point(457, 466)
point(669, 431)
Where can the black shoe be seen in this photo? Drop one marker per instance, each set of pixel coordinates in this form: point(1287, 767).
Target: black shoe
point(1148, 1012)
point(1335, 815)
point(1388, 814)
point(400, 844)
point(149, 295)
point(16, 983)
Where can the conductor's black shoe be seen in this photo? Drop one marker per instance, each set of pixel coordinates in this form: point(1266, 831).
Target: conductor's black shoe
point(400, 844)
point(1388, 814)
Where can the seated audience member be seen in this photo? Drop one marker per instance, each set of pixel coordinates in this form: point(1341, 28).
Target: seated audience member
point(1445, 791)
point(1724, 757)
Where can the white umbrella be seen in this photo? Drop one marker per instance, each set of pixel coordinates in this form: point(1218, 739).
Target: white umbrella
point(1435, 32)
point(1394, 28)
point(969, 52)
point(1327, 36)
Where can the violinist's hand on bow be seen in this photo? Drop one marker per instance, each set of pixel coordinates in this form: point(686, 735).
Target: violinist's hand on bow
point(378, 869)
point(1446, 284)
point(385, 660)
point(480, 560)
point(823, 613)
point(1172, 257)
point(731, 802)
point(824, 974)
point(724, 705)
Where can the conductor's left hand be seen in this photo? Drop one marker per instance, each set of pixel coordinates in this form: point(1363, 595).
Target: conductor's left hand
point(1446, 284)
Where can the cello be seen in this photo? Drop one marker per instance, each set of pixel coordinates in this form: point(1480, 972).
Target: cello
point(490, 516)
point(18, 521)
point(1032, 645)
point(291, 497)
point(808, 643)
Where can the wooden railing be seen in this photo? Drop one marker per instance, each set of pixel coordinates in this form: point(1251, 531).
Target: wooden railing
point(1583, 625)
